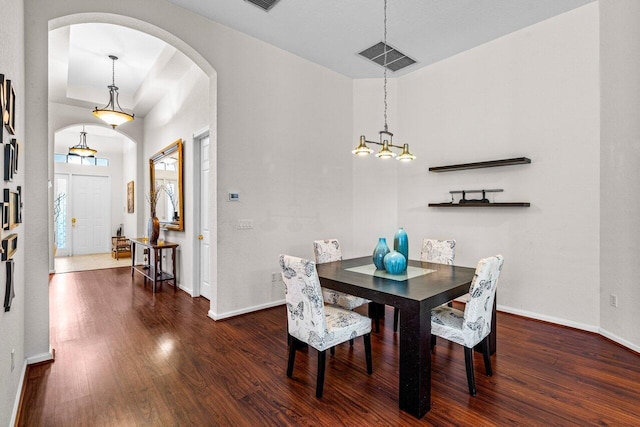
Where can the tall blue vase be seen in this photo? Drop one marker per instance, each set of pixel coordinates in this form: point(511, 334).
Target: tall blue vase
point(401, 243)
point(379, 252)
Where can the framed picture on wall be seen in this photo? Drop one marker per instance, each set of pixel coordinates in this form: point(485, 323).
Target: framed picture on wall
point(9, 153)
point(9, 246)
point(8, 116)
point(3, 104)
point(5, 215)
point(9, 292)
point(16, 146)
point(11, 208)
point(130, 206)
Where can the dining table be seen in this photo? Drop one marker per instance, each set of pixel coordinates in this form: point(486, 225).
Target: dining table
point(422, 287)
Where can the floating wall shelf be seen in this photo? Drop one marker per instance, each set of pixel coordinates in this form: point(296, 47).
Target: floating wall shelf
point(480, 205)
point(479, 165)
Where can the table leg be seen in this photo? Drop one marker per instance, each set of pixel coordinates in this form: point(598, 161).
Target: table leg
point(133, 257)
point(175, 276)
point(156, 268)
point(415, 360)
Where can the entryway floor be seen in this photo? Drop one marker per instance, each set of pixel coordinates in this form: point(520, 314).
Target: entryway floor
point(89, 262)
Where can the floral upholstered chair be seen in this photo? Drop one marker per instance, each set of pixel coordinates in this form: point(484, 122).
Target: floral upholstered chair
point(472, 326)
point(329, 251)
point(438, 251)
point(311, 322)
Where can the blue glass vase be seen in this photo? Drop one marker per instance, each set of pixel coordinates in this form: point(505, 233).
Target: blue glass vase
point(401, 243)
point(395, 263)
point(379, 252)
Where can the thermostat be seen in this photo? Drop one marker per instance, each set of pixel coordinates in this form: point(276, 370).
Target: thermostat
point(234, 197)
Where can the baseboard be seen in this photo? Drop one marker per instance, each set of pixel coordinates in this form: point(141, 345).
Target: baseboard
point(228, 314)
point(619, 340)
point(15, 414)
point(42, 357)
point(550, 319)
point(187, 290)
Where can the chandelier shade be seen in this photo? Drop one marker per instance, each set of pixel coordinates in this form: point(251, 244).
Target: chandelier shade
point(109, 114)
point(386, 137)
point(82, 149)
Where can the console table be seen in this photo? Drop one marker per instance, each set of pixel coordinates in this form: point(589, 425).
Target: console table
point(153, 269)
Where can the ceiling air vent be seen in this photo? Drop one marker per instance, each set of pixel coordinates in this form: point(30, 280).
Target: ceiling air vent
point(396, 60)
point(264, 4)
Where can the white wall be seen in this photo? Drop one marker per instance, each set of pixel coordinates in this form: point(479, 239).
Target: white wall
point(12, 323)
point(129, 173)
point(280, 136)
point(178, 115)
point(619, 173)
point(532, 93)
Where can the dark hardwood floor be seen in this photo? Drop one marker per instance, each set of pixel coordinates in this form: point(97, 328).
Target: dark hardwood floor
point(127, 357)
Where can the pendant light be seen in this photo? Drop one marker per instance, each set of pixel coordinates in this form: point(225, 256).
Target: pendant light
point(386, 137)
point(82, 149)
point(109, 114)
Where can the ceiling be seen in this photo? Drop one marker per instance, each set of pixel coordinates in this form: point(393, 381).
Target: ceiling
point(327, 32)
point(332, 32)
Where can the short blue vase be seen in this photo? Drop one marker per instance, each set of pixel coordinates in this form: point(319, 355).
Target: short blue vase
point(401, 243)
point(379, 253)
point(395, 263)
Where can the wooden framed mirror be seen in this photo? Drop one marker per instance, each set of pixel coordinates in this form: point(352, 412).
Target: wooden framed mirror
point(165, 171)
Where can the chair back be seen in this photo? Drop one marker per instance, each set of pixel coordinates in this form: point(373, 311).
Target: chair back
point(479, 307)
point(438, 251)
point(327, 250)
point(305, 306)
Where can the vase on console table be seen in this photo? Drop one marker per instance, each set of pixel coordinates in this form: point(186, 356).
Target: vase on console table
point(379, 253)
point(153, 229)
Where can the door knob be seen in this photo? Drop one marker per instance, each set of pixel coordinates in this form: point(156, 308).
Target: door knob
point(200, 237)
point(73, 222)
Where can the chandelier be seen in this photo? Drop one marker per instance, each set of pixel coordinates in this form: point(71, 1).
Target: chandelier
point(386, 137)
point(82, 149)
point(109, 114)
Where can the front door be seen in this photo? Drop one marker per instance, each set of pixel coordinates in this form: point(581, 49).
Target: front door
point(90, 220)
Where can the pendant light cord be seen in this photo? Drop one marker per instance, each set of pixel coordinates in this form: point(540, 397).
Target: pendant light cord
point(386, 129)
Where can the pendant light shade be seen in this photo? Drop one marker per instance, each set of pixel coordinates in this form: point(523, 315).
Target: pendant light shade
point(82, 149)
point(109, 114)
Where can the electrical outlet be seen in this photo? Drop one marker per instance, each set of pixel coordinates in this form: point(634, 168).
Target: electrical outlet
point(13, 359)
point(613, 300)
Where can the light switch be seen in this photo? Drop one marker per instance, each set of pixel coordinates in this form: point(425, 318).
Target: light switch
point(234, 197)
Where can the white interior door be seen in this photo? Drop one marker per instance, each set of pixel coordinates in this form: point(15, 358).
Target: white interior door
point(90, 220)
point(205, 227)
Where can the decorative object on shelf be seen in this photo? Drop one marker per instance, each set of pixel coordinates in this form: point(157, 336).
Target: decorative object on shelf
point(109, 114)
point(401, 243)
point(386, 137)
point(483, 202)
point(395, 262)
point(81, 148)
point(9, 291)
point(379, 253)
point(480, 165)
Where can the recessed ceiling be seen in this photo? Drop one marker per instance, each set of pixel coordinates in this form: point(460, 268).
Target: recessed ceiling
point(80, 69)
point(332, 32)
